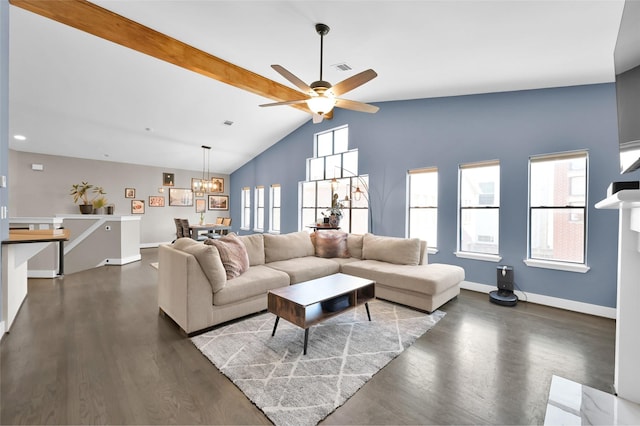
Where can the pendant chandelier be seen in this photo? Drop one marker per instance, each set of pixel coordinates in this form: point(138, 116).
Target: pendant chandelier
point(204, 184)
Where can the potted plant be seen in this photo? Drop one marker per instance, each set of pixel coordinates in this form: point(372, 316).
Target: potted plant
point(99, 203)
point(82, 191)
point(335, 212)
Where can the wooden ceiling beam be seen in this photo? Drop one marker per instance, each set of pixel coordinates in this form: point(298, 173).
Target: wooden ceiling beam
point(93, 19)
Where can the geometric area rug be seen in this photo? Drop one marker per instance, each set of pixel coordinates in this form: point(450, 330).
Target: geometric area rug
point(343, 353)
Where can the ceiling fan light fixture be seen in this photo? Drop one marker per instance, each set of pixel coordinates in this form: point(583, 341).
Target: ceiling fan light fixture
point(321, 104)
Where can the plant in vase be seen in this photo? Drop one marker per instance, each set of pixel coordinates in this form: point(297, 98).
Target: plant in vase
point(82, 191)
point(335, 212)
point(99, 203)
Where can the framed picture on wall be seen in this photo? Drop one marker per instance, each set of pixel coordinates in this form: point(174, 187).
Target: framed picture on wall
point(156, 201)
point(129, 193)
point(217, 184)
point(168, 179)
point(137, 206)
point(181, 197)
point(218, 202)
point(201, 205)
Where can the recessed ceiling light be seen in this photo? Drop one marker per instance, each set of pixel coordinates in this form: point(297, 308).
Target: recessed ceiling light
point(20, 137)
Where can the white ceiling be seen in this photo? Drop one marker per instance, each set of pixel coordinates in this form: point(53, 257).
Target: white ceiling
point(76, 95)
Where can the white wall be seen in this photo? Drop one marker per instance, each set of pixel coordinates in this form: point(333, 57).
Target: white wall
point(46, 193)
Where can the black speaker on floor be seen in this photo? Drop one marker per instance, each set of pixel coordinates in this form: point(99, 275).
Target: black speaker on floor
point(504, 295)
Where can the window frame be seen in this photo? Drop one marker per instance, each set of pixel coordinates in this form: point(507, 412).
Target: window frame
point(431, 248)
point(245, 201)
point(489, 257)
point(258, 195)
point(556, 264)
point(275, 204)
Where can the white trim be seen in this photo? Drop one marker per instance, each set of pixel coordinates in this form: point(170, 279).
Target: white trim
point(153, 245)
point(42, 273)
point(478, 256)
point(121, 261)
point(555, 302)
point(1, 330)
point(559, 266)
point(80, 238)
point(432, 250)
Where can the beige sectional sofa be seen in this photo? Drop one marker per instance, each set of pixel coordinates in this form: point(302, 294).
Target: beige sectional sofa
point(197, 292)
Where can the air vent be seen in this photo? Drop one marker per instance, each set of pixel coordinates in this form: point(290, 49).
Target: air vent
point(342, 67)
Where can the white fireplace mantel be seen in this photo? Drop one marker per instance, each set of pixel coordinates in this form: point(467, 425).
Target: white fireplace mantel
point(627, 367)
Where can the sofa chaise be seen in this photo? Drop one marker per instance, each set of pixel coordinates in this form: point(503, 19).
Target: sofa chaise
point(202, 285)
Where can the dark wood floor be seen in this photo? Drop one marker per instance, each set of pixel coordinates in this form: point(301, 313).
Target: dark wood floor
point(92, 349)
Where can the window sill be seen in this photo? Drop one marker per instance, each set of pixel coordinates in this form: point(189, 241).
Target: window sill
point(274, 232)
point(432, 250)
point(478, 256)
point(559, 266)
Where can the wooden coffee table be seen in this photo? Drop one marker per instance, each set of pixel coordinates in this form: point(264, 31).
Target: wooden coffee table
point(301, 304)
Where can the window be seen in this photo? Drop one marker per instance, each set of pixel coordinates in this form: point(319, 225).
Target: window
point(479, 216)
point(274, 216)
point(245, 222)
point(423, 205)
point(557, 210)
point(333, 162)
point(259, 206)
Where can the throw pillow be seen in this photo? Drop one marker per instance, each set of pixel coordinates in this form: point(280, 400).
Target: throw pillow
point(233, 254)
point(330, 243)
point(401, 251)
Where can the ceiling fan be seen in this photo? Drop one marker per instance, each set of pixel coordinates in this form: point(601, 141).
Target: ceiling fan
point(320, 96)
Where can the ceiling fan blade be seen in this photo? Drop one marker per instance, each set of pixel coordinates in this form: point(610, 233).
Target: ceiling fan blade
point(292, 78)
point(299, 101)
point(356, 106)
point(354, 81)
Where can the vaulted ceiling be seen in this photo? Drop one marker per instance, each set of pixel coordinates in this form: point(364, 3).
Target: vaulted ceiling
point(76, 94)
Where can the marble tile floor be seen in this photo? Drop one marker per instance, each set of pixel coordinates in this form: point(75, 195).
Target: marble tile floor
point(571, 403)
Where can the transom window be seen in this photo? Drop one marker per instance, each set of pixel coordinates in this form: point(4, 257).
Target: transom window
point(423, 205)
point(334, 170)
point(479, 217)
point(557, 207)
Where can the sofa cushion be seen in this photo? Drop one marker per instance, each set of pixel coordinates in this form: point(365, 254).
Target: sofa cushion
point(306, 268)
point(401, 251)
point(233, 254)
point(354, 244)
point(255, 281)
point(208, 258)
point(330, 243)
point(429, 279)
point(287, 246)
point(255, 248)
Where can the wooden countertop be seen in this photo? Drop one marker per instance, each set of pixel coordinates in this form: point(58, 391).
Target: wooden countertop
point(17, 236)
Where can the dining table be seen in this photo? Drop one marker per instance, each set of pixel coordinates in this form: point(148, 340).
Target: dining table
point(207, 230)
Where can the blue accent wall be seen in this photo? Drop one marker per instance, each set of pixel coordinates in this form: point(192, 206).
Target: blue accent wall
point(445, 132)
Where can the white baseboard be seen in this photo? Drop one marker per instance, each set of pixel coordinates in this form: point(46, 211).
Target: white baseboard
point(555, 302)
point(120, 261)
point(153, 245)
point(42, 273)
point(1, 330)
